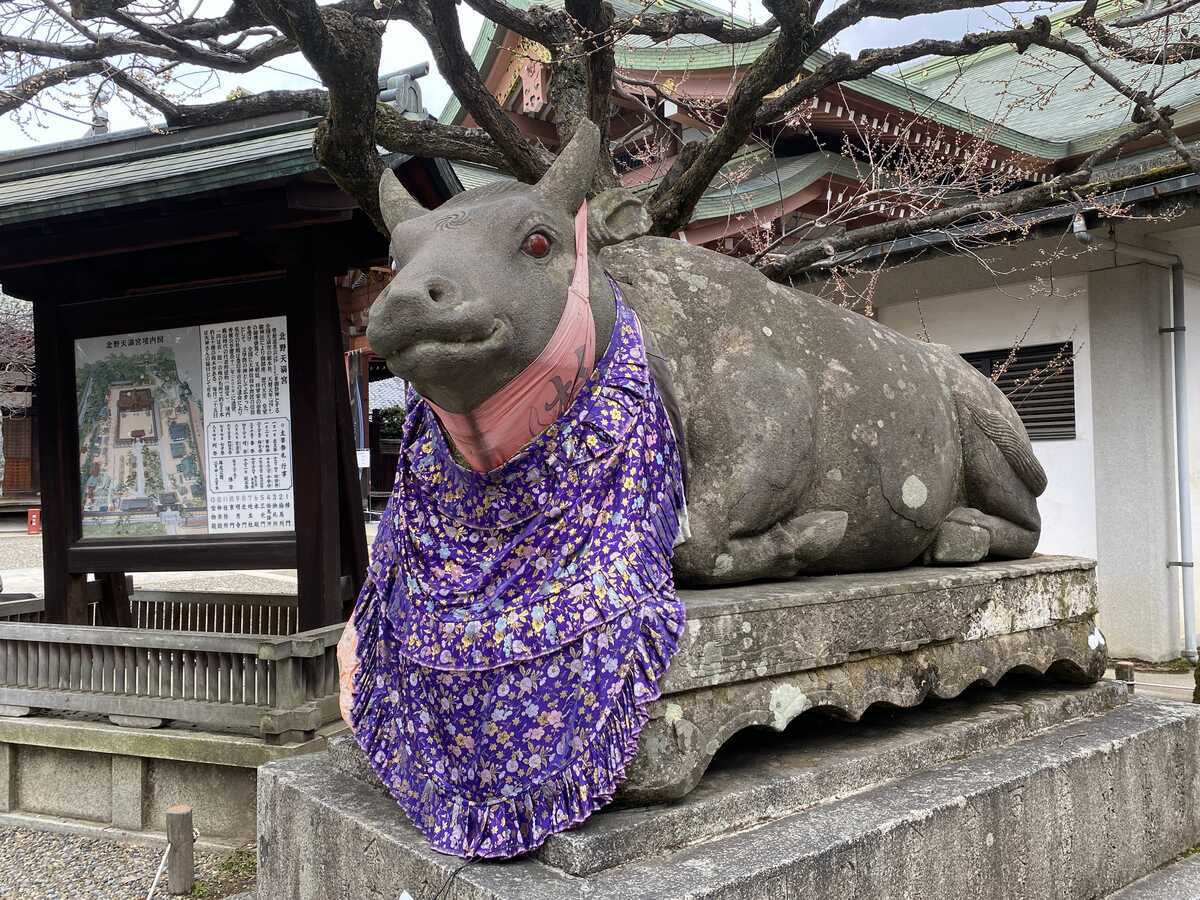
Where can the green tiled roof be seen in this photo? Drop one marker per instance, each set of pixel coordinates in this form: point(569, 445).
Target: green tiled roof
point(184, 168)
point(761, 181)
point(1001, 84)
point(1065, 126)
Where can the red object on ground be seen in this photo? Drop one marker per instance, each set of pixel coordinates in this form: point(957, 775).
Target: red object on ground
point(33, 521)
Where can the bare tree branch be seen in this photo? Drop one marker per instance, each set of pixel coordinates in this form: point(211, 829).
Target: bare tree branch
point(532, 23)
point(854, 11)
point(1160, 54)
point(1146, 108)
point(841, 68)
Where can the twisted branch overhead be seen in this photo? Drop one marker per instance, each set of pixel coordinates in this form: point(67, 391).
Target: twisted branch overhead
point(97, 42)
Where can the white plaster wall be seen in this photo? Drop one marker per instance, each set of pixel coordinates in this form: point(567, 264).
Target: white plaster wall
point(1134, 461)
point(1191, 293)
point(994, 319)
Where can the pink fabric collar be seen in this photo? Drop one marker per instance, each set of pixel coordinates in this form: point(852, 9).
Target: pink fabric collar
point(491, 434)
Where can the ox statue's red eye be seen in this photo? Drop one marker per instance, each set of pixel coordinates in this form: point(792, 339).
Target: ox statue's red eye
point(536, 245)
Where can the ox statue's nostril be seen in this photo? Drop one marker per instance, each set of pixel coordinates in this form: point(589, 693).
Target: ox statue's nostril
point(436, 291)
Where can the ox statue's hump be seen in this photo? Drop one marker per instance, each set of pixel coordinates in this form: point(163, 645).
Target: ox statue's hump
point(817, 439)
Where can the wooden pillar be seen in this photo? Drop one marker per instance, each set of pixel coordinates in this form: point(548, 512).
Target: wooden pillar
point(54, 410)
point(316, 363)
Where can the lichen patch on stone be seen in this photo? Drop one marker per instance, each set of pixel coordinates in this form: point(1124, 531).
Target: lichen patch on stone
point(787, 702)
point(913, 492)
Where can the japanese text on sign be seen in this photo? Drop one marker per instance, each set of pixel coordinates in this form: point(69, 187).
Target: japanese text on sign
point(247, 416)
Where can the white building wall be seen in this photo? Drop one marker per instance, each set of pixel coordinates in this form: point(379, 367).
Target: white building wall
point(1140, 608)
point(995, 319)
point(1191, 292)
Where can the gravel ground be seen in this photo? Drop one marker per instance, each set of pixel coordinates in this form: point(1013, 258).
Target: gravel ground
point(36, 865)
point(19, 551)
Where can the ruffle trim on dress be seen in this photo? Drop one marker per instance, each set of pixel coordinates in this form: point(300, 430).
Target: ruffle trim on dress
point(510, 826)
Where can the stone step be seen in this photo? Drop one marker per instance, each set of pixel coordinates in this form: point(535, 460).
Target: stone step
point(1178, 880)
point(1075, 811)
point(769, 775)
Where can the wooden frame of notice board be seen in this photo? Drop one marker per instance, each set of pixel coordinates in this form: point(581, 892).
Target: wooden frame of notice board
point(327, 544)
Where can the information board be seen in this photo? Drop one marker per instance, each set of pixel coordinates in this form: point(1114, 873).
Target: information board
point(186, 430)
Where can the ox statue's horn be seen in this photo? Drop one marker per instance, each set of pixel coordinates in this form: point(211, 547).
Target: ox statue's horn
point(396, 205)
point(569, 179)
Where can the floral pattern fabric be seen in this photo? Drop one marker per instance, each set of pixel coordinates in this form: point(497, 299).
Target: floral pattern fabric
point(516, 623)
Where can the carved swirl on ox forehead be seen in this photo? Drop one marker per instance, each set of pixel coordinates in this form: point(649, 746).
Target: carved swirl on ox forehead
point(456, 219)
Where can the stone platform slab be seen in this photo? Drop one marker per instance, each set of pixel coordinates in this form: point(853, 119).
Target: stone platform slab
point(766, 775)
point(1009, 792)
point(762, 654)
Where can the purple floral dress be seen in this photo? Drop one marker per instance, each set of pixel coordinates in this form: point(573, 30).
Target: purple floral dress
point(515, 624)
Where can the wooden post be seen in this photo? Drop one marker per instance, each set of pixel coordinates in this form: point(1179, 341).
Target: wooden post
point(114, 600)
point(64, 595)
point(1125, 673)
point(315, 391)
point(181, 873)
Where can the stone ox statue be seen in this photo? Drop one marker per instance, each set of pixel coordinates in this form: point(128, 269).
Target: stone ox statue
point(815, 440)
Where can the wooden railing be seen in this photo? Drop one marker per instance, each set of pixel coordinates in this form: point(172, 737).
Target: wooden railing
point(22, 609)
point(282, 687)
point(213, 613)
point(199, 611)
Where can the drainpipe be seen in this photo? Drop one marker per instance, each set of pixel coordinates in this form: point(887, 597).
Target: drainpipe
point(1183, 474)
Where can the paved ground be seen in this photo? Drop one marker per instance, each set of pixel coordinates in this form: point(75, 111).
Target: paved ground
point(21, 561)
point(1179, 880)
point(35, 865)
point(1168, 685)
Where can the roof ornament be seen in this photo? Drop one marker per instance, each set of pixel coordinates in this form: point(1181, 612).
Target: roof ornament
point(99, 122)
point(402, 91)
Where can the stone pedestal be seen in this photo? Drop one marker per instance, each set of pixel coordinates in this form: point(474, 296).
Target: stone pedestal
point(762, 654)
point(1079, 788)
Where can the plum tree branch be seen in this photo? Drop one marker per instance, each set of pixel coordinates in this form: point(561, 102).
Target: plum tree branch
point(23, 92)
point(664, 26)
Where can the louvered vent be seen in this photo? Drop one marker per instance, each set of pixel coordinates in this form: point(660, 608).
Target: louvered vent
point(1039, 382)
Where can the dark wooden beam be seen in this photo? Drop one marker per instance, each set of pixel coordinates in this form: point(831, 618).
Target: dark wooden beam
point(187, 554)
point(180, 228)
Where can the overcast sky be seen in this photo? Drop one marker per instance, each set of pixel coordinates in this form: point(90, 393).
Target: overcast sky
point(403, 46)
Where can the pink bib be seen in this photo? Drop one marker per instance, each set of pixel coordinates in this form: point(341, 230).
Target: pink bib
point(491, 434)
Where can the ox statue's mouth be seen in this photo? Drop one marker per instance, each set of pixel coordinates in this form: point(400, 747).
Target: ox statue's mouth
point(412, 358)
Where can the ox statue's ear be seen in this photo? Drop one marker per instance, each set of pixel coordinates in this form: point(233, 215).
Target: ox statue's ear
point(615, 216)
point(569, 177)
point(396, 205)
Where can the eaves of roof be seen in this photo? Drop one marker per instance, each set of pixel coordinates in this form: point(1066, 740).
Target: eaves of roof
point(1142, 192)
point(768, 183)
point(146, 175)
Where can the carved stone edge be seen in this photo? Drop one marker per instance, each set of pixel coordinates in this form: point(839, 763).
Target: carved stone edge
point(686, 730)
